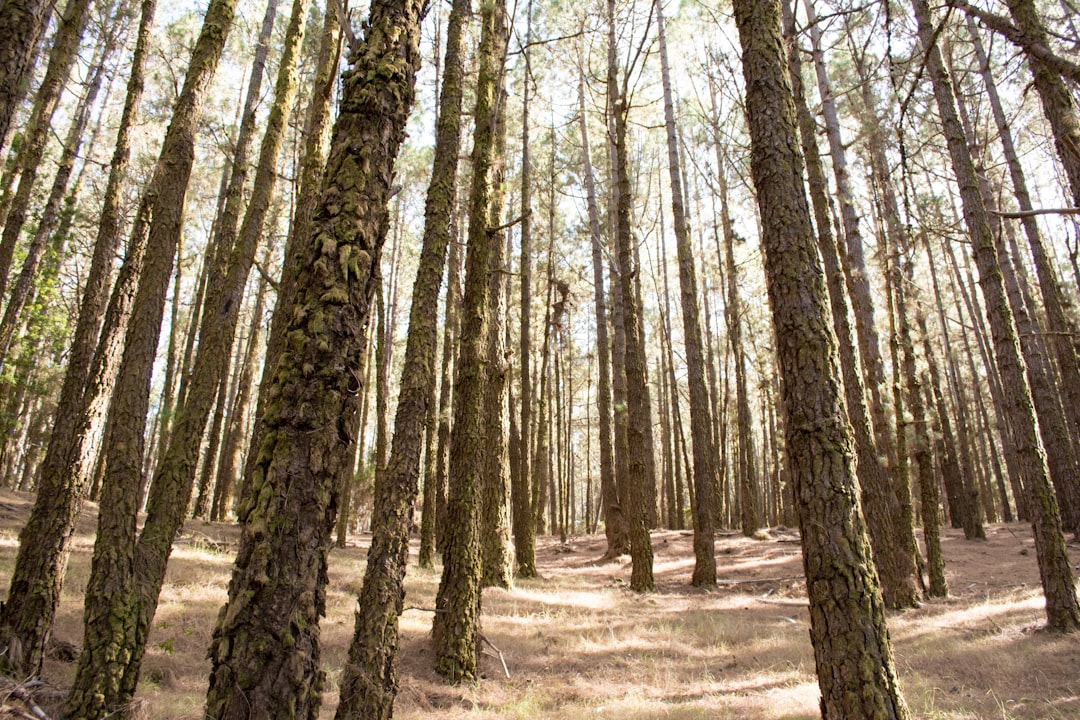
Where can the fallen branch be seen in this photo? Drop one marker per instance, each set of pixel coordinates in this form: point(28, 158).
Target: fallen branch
point(501, 658)
point(19, 692)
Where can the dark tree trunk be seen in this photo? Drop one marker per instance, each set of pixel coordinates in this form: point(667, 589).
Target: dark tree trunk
point(112, 611)
point(1063, 613)
point(266, 653)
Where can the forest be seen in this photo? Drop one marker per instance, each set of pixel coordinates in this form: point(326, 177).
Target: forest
point(545, 359)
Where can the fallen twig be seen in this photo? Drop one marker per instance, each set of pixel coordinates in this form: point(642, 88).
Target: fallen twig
point(501, 658)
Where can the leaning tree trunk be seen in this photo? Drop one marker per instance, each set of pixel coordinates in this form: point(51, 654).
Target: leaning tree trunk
point(855, 668)
point(111, 606)
point(369, 683)
point(896, 569)
point(266, 660)
point(45, 541)
point(307, 198)
point(64, 49)
point(1063, 613)
point(21, 27)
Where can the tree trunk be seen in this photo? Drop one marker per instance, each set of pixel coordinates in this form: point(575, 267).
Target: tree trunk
point(895, 565)
point(614, 522)
point(704, 574)
point(457, 621)
point(855, 667)
point(266, 661)
point(369, 683)
point(45, 541)
point(1063, 613)
point(21, 26)
point(307, 198)
point(112, 611)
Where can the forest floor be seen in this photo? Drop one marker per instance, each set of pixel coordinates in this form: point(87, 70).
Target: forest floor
point(577, 643)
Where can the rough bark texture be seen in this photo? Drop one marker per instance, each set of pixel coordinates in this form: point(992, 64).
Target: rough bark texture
point(38, 576)
point(1060, 327)
point(265, 653)
point(22, 23)
point(1058, 103)
point(700, 423)
point(369, 683)
point(637, 410)
point(896, 569)
point(855, 667)
point(457, 620)
point(614, 522)
point(1063, 613)
point(311, 171)
point(111, 608)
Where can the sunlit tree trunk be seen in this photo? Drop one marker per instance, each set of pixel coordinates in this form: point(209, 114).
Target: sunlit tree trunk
point(112, 611)
point(854, 660)
point(704, 574)
point(456, 628)
point(895, 566)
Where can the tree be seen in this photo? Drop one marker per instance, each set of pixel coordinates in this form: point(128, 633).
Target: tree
point(45, 541)
point(855, 667)
point(369, 684)
point(457, 620)
point(637, 411)
point(1063, 613)
point(102, 683)
point(700, 424)
point(298, 473)
point(22, 23)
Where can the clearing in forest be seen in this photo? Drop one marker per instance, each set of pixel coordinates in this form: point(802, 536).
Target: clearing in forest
point(577, 643)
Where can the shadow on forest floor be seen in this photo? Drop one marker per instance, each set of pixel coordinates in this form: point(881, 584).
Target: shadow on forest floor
point(578, 643)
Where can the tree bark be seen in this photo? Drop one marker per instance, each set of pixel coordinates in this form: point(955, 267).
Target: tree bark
point(265, 653)
point(111, 609)
point(854, 660)
point(704, 574)
point(21, 26)
point(457, 620)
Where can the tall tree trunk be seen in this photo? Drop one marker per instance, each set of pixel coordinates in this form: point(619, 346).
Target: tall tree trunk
point(854, 661)
point(1063, 613)
point(307, 197)
point(369, 684)
point(524, 528)
point(64, 49)
point(637, 410)
point(614, 522)
point(45, 541)
point(895, 565)
point(497, 559)
point(457, 621)
point(264, 659)
point(112, 612)
point(1054, 300)
point(704, 574)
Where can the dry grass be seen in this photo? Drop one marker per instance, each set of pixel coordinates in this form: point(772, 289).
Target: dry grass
point(578, 643)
